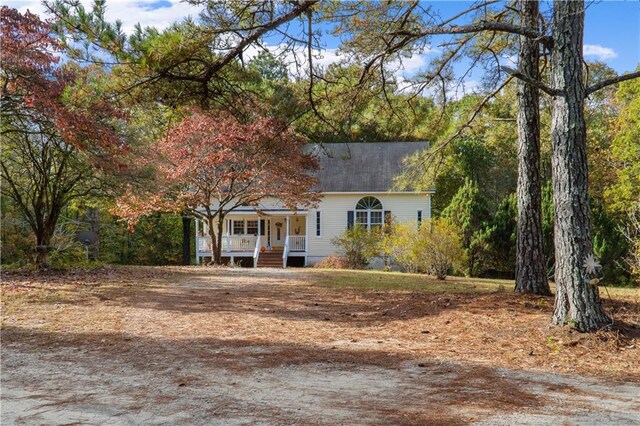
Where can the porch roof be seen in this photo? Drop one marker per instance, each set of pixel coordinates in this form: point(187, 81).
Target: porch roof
point(267, 212)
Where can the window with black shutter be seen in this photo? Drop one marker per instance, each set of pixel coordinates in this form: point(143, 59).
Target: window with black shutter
point(318, 228)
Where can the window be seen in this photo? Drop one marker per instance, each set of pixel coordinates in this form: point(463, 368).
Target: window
point(252, 227)
point(419, 217)
point(318, 228)
point(238, 227)
point(369, 213)
point(375, 219)
point(369, 203)
point(362, 218)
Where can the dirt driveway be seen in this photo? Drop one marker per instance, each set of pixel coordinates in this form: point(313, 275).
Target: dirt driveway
point(265, 347)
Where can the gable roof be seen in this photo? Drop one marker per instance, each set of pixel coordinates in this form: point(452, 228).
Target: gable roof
point(362, 167)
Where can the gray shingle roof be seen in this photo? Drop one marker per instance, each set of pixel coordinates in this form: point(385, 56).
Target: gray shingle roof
point(362, 167)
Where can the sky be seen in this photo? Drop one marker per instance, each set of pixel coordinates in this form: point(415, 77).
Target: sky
point(612, 28)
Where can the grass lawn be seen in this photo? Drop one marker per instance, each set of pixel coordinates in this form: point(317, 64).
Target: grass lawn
point(376, 280)
point(172, 326)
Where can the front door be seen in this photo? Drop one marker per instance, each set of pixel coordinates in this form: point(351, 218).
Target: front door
point(278, 232)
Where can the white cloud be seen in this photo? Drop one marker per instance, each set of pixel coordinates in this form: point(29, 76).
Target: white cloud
point(600, 52)
point(410, 66)
point(509, 60)
point(152, 13)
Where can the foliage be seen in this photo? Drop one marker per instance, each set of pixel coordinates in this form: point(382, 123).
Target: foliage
point(609, 244)
point(435, 247)
point(501, 235)
point(52, 141)
point(468, 212)
point(631, 233)
point(345, 111)
point(385, 243)
point(624, 191)
point(210, 163)
point(156, 240)
point(401, 243)
point(600, 116)
point(357, 245)
point(269, 67)
point(16, 237)
point(484, 152)
point(192, 62)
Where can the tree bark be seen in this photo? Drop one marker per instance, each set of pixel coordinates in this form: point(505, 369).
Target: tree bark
point(43, 248)
point(219, 251)
point(577, 301)
point(215, 246)
point(531, 276)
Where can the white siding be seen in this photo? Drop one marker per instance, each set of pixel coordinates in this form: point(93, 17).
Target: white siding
point(334, 208)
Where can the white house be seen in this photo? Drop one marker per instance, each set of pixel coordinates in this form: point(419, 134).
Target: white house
point(356, 181)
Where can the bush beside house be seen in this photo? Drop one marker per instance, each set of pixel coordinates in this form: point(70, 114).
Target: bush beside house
point(435, 247)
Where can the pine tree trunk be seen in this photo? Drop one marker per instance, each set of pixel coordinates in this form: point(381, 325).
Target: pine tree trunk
point(577, 301)
point(531, 276)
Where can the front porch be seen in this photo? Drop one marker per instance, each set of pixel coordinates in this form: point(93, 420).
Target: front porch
point(266, 239)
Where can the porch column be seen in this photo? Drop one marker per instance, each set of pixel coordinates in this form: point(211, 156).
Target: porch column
point(286, 241)
point(286, 219)
point(306, 234)
point(227, 237)
point(197, 242)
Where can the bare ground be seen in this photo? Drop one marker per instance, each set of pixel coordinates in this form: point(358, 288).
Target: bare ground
point(203, 346)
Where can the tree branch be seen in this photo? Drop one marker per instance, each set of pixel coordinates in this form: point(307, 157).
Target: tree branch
point(481, 26)
point(608, 82)
point(298, 10)
point(531, 81)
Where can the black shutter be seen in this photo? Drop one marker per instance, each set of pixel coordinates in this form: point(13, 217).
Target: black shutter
point(262, 232)
point(387, 216)
point(350, 214)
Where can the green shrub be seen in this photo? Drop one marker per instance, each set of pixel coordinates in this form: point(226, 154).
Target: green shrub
point(435, 248)
point(17, 239)
point(357, 245)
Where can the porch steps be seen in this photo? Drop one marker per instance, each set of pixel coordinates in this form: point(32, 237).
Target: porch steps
point(270, 259)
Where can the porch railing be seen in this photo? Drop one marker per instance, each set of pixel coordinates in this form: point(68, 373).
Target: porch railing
point(239, 243)
point(230, 243)
point(296, 242)
point(204, 244)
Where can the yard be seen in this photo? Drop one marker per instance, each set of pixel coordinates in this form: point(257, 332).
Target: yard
point(238, 346)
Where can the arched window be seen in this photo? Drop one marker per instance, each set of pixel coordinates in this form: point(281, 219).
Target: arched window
point(369, 213)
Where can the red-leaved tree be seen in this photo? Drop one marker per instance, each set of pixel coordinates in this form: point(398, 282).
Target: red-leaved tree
point(211, 163)
point(56, 130)
point(37, 90)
